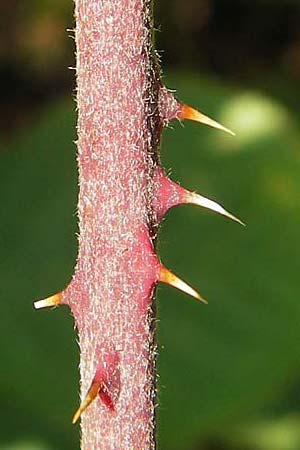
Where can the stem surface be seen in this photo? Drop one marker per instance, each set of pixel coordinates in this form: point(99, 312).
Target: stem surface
point(111, 292)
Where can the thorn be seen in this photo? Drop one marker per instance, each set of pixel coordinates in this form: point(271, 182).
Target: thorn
point(166, 276)
point(197, 199)
point(90, 396)
point(187, 112)
point(170, 194)
point(53, 300)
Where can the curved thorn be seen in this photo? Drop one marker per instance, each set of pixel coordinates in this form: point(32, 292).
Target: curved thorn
point(197, 199)
point(90, 396)
point(53, 300)
point(187, 112)
point(166, 276)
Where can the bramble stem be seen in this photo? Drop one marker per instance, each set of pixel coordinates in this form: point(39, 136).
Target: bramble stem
point(111, 292)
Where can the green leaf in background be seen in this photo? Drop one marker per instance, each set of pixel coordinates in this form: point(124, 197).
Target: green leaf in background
point(26, 445)
point(38, 248)
point(219, 364)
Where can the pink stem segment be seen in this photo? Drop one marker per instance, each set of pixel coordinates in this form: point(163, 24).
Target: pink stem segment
point(111, 293)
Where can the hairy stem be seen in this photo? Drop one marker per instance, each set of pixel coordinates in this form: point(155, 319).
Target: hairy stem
point(110, 295)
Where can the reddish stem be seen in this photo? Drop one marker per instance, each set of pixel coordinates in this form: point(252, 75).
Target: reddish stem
point(111, 292)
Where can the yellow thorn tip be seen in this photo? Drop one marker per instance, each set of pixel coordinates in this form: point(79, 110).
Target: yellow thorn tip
point(90, 396)
point(53, 300)
point(197, 199)
point(166, 276)
point(192, 114)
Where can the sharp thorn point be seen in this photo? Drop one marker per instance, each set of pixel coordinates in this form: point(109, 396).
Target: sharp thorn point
point(90, 396)
point(190, 113)
point(197, 199)
point(53, 300)
point(76, 416)
point(166, 276)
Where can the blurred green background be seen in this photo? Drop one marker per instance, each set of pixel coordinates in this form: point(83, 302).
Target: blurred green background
point(229, 373)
